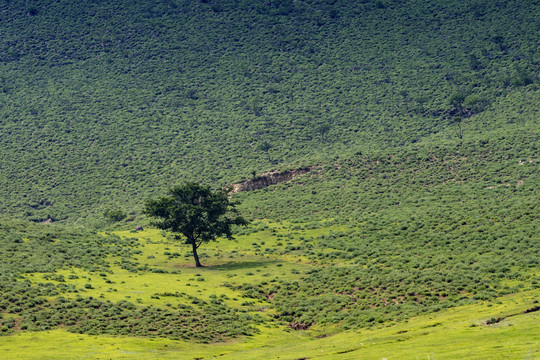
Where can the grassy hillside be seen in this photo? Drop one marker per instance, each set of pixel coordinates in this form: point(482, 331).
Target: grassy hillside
point(103, 104)
point(451, 334)
point(151, 301)
point(414, 234)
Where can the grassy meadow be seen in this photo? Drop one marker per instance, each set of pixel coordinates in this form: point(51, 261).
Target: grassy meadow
point(414, 234)
point(167, 279)
point(459, 332)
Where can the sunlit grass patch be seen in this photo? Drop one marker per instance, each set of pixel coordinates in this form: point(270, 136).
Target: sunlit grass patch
point(458, 333)
point(166, 281)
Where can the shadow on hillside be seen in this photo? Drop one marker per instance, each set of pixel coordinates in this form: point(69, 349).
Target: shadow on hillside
point(240, 265)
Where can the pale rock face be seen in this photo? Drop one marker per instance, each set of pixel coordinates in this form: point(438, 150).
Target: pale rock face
point(269, 178)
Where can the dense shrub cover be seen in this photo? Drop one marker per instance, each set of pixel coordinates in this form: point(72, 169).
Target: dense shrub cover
point(105, 104)
point(419, 119)
point(27, 249)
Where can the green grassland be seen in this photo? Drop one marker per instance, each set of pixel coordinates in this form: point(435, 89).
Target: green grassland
point(414, 236)
point(360, 245)
point(496, 329)
point(159, 277)
point(452, 334)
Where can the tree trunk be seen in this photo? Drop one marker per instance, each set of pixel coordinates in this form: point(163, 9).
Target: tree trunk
point(195, 255)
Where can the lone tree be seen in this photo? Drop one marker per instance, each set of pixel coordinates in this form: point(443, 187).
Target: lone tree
point(196, 213)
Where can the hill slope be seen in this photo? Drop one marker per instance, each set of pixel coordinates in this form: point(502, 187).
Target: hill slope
point(107, 103)
point(417, 120)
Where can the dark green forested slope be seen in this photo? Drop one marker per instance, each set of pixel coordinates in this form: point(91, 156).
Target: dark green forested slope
point(105, 103)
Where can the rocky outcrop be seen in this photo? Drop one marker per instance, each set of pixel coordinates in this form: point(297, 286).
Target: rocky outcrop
point(269, 178)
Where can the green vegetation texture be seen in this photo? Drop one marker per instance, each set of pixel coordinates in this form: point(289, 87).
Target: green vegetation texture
point(415, 235)
point(502, 328)
point(104, 104)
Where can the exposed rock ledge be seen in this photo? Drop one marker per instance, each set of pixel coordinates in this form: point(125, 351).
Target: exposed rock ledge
point(269, 178)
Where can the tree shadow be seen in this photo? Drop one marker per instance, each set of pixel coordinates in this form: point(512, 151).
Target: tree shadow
point(236, 265)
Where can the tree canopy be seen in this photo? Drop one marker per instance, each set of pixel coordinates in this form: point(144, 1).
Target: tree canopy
point(195, 212)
